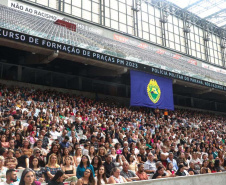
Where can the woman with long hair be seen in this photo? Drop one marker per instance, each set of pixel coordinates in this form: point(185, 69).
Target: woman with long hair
point(52, 167)
point(92, 153)
point(87, 178)
point(69, 169)
point(66, 154)
point(58, 178)
point(205, 168)
point(26, 148)
point(78, 156)
point(27, 177)
point(96, 162)
point(39, 176)
point(19, 140)
point(55, 149)
point(102, 152)
point(101, 176)
point(116, 177)
point(169, 169)
point(4, 142)
point(159, 173)
point(83, 166)
point(132, 163)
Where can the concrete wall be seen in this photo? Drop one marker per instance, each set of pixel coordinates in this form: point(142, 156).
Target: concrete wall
point(205, 179)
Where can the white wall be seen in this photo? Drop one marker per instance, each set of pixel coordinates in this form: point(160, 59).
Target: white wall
point(205, 179)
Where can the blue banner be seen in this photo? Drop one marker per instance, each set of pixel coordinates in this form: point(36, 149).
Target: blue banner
point(151, 91)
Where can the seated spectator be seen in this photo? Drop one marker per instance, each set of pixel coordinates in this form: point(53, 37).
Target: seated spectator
point(159, 173)
point(4, 143)
point(26, 148)
point(23, 160)
point(78, 156)
point(141, 173)
point(40, 147)
point(132, 163)
point(83, 166)
point(108, 164)
point(173, 161)
point(217, 165)
point(37, 154)
point(18, 141)
point(192, 170)
point(128, 174)
point(141, 156)
point(28, 177)
point(69, 169)
point(11, 178)
point(115, 177)
point(150, 165)
point(12, 144)
point(87, 177)
point(212, 167)
point(169, 169)
point(100, 178)
point(39, 176)
point(205, 168)
point(102, 152)
point(55, 149)
point(66, 154)
point(52, 167)
point(96, 162)
point(58, 178)
point(3, 169)
point(181, 170)
point(10, 161)
point(65, 143)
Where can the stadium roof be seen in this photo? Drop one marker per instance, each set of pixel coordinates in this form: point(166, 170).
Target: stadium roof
point(211, 10)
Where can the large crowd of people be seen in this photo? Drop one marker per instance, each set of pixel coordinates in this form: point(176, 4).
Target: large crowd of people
point(55, 137)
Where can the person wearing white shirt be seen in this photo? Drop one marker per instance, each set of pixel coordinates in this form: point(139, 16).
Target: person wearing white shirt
point(54, 133)
point(150, 165)
point(11, 178)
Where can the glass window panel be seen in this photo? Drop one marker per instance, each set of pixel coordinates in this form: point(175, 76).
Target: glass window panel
point(159, 40)
point(171, 36)
point(171, 45)
point(114, 24)
point(67, 8)
point(170, 19)
point(86, 5)
point(107, 3)
point(107, 12)
point(177, 47)
point(129, 21)
point(152, 29)
point(152, 38)
point(157, 13)
point(76, 11)
point(122, 7)
point(114, 15)
point(150, 9)
point(151, 19)
point(114, 4)
point(198, 55)
point(122, 18)
point(95, 18)
point(68, 1)
point(122, 27)
point(107, 22)
point(144, 7)
point(176, 30)
point(177, 38)
point(95, 8)
point(86, 15)
point(144, 16)
point(130, 30)
point(145, 35)
point(129, 2)
point(123, 1)
point(77, 3)
point(42, 2)
point(53, 4)
point(170, 27)
point(145, 26)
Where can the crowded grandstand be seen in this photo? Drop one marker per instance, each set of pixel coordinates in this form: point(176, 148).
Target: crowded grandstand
point(94, 101)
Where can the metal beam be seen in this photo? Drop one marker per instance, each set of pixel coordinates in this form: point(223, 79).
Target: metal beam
point(193, 4)
point(216, 13)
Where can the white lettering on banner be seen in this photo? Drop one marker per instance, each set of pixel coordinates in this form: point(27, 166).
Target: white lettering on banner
point(88, 28)
point(32, 10)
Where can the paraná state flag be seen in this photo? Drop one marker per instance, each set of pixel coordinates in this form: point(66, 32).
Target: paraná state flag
point(151, 91)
